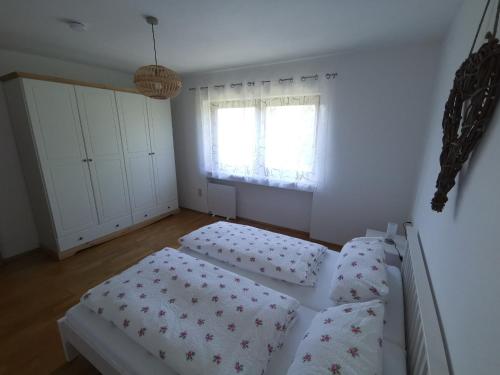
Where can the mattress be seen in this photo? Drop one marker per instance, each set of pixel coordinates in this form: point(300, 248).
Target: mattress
point(131, 358)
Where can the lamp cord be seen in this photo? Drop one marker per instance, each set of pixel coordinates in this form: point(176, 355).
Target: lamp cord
point(394, 243)
point(399, 253)
point(495, 27)
point(154, 42)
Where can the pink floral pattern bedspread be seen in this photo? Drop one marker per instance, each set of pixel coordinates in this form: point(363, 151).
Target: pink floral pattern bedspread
point(198, 318)
point(260, 251)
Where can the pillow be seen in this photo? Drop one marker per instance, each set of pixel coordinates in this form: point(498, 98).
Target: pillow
point(343, 340)
point(360, 273)
point(370, 243)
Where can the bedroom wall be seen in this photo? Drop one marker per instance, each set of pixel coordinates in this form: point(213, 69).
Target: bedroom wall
point(461, 244)
point(380, 109)
point(17, 230)
point(287, 208)
point(380, 106)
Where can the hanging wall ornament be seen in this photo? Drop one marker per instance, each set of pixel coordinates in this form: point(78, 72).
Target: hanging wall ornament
point(469, 109)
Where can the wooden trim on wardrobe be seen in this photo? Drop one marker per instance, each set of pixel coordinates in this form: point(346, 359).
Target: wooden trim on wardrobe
point(41, 77)
point(60, 255)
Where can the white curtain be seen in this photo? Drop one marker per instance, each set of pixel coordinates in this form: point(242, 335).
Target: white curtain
point(265, 132)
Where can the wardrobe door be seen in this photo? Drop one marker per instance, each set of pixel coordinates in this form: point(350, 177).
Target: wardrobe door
point(58, 136)
point(101, 129)
point(160, 122)
point(133, 115)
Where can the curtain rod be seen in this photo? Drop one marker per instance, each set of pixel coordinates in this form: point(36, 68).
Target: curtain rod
point(281, 80)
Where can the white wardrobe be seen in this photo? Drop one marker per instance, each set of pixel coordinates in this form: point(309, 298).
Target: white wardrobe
point(96, 161)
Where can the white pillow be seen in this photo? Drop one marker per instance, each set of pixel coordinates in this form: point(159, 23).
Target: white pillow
point(360, 273)
point(344, 340)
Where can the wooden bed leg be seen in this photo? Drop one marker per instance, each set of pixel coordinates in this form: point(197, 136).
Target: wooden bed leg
point(70, 353)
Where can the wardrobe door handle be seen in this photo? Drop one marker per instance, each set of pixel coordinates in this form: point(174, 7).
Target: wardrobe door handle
point(80, 238)
point(84, 160)
point(90, 159)
point(117, 225)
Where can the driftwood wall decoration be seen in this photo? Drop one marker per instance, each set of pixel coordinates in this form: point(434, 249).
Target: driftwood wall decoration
point(468, 111)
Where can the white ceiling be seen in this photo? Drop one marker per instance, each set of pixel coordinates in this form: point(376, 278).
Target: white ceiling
point(199, 35)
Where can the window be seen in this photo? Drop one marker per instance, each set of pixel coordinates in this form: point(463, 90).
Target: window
point(236, 137)
point(269, 141)
point(290, 138)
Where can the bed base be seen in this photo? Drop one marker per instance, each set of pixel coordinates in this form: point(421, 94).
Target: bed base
point(426, 350)
point(74, 344)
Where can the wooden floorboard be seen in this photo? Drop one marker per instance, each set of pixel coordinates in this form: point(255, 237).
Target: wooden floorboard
point(36, 290)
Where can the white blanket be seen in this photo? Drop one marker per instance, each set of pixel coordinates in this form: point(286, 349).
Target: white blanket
point(260, 251)
point(198, 318)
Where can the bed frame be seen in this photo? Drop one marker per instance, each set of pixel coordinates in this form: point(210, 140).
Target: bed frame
point(75, 344)
point(426, 351)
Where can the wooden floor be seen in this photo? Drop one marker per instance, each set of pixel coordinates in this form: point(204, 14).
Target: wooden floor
point(36, 290)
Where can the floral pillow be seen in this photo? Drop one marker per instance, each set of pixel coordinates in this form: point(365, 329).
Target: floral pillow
point(343, 340)
point(360, 273)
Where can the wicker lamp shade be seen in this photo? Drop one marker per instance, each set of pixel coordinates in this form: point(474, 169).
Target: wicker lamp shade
point(158, 82)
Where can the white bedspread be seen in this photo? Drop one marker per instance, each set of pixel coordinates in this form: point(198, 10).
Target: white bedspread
point(198, 318)
point(316, 298)
point(260, 251)
point(130, 358)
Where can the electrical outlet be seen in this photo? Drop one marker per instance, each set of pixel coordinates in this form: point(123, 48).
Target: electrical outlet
point(200, 192)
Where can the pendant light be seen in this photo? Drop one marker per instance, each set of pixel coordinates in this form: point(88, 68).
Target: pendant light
point(157, 81)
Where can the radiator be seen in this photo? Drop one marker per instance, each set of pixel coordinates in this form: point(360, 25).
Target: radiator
point(221, 200)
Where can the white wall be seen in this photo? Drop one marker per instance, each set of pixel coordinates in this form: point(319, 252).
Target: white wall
point(461, 243)
point(288, 208)
point(380, 106)
point(17, 229)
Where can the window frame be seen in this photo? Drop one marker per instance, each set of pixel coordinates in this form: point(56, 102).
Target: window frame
point(260, 105)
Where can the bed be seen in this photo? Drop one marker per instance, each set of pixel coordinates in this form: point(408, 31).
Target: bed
point(111, 352)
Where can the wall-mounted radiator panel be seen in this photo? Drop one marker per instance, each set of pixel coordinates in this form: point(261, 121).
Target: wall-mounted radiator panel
point(221, 200)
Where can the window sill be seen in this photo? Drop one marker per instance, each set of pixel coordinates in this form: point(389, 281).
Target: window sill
point(266, 183)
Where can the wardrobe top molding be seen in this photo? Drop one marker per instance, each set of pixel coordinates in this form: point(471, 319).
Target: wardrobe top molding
point(41, 77)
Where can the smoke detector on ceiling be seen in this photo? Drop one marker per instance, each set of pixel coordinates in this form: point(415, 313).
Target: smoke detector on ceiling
point(76, 25)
